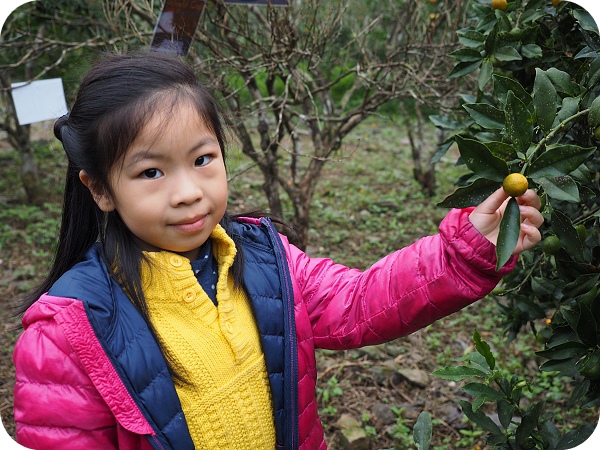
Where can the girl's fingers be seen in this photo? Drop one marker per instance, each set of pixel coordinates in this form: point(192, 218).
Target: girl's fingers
point(491, 204)
point(531, 215)
point(530, 198)
point(530, 237)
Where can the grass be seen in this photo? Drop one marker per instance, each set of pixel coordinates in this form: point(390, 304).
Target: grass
point(366, 205)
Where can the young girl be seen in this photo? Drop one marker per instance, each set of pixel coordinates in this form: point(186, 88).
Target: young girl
point(165, 323)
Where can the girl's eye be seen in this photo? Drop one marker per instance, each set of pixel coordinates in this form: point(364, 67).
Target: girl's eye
point(151, 173)
point(203, 160)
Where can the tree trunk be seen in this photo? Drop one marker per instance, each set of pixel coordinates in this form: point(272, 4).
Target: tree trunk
point(19, 136)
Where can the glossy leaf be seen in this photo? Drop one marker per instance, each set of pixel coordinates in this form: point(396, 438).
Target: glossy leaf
point(485, 74)
point(594, 73)
point(569, 107)
point(502, 85)
point(508, 234)
point(470, 38)
point(466, 55)
point(480, 160)
point(507, 54)
point(531, 51)
point(470, 195)
point(559, 160)
point(585, 19)
point(486, 115)
point(463, 68)
point(519, 122)
point(562, 81)
point(560, 188)
point(502, 150)
point(545, 100)
point(567, 350)
point(575, 437)
point(566, 232)
point(594, 115)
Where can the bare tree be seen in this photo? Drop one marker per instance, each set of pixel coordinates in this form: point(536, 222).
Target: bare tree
point(297, 79)
point(42, 39)
point(317, 69)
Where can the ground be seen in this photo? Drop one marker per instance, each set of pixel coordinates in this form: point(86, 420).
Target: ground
point(366, 206)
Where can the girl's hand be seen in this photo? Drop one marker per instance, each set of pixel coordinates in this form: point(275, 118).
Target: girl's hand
point(487, 216)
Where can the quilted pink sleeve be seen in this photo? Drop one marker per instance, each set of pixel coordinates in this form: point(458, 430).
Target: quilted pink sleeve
point(56, 406)
point(399, 294)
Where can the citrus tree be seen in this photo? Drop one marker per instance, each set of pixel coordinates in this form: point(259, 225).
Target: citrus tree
point(534, 114)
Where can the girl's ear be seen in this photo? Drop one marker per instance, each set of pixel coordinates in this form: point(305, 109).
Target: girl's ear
point(102, 199)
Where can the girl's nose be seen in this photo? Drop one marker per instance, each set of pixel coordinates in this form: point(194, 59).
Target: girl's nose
point(186, 190)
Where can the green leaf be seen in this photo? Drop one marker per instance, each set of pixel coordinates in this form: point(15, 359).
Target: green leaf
point(565, 367)
point(422, 431)
point(470, 38)
point(479, 418)
point(486, 115)
point(443, 122)
point(508, 234)
point(594, 114)
point(463, 68)
point(470, 195)
point(480, 160)
point(594, 72)
point(545, 100)
point(484, 349)
point(587, 328)
point(562, 81)
point(560, 188)
point(585, 19)
point(519, 122)
point(581, 285)
point(482, 390)
point(503, 85)
point(529, 423)
point(459, 373)
point(575, 437)
point(485, 74)
point(531, 51)
point(570, 107)
point(502, 150)
point(466, 55)
point(505, 412)
point(566, 232)
point(507, 54)
point(567, 350)
point(559, 160)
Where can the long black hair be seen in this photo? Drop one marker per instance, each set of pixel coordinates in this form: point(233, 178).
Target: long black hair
point(116, 99)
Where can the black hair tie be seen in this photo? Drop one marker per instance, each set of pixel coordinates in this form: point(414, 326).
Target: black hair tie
point(58, 126)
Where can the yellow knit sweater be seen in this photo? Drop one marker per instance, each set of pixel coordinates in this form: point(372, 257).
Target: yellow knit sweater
point(226, 400)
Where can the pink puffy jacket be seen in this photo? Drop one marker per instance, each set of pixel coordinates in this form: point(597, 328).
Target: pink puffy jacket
point(81, 403)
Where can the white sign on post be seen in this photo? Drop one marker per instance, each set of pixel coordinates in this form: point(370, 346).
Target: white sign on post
point(39, 100)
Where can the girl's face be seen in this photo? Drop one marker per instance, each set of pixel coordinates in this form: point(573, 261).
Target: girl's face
point(170, 189)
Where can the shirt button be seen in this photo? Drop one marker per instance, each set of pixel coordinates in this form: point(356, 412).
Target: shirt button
point(176, 261)
point(229, 327)
point(189, 295)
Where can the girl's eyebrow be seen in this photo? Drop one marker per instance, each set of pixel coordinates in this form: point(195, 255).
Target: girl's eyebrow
point(152, 154)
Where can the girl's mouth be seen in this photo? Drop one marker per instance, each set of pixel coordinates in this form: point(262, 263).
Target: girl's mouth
point(190, 225)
